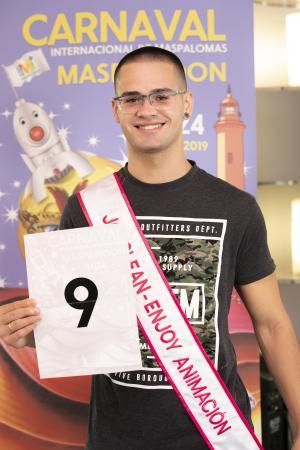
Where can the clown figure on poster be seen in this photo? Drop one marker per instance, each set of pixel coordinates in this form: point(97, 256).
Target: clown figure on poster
point(47, 154)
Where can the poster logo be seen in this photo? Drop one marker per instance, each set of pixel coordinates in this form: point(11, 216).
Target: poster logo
point(30, 65)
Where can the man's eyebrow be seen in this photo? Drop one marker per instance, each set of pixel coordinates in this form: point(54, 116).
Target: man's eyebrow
point(139, 93)
point(130, 93)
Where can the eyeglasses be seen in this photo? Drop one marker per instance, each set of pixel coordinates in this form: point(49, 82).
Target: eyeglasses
point(130, 103)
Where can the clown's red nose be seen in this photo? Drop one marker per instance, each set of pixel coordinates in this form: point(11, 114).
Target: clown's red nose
point(36, 133)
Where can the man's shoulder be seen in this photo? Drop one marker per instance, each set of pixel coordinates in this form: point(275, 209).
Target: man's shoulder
point(72, 216)
point(222, 190)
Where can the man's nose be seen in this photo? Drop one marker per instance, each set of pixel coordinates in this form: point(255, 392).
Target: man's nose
point(146, 108)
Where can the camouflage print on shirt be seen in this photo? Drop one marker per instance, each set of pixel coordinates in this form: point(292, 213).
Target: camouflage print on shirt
point(190, 259)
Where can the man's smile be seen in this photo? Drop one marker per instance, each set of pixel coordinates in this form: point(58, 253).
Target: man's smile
point(151, 126)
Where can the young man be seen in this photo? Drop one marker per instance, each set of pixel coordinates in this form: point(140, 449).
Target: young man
point(210, 235)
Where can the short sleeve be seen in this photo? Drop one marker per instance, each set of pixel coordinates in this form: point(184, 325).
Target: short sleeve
point(254, 261)
point(72, 216)
point(66, 219)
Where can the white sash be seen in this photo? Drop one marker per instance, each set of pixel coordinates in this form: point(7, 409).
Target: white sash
point(168, 332)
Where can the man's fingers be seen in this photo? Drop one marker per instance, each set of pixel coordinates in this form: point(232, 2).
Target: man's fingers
point(19, 329)
point(27, 302)
point(17, 321)
point(19, 313)
point(17, 339)
point(17, 310)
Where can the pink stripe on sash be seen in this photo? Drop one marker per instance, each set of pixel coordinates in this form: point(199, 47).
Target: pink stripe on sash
point(84, 210)
point(188, 325)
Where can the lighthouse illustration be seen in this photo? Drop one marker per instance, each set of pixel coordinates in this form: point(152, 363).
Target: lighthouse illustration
point(230, 142)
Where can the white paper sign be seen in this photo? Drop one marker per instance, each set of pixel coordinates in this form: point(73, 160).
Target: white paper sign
point(81, 281)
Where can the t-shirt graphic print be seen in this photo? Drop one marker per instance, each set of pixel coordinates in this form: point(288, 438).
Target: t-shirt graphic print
point(189, 252)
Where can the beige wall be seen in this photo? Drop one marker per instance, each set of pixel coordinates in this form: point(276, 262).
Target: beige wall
point(278, 135)
point(275, 202)
point(270, 54)
point(278, 145)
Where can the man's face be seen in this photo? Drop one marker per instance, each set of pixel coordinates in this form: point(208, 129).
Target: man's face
point(152, 128)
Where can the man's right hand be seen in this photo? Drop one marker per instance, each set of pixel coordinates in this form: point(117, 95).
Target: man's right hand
point(17, 321)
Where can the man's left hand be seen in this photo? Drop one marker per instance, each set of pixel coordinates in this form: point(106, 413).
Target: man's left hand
point(296, 445)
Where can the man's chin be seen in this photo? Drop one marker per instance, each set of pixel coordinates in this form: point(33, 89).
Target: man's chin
point(148, 150)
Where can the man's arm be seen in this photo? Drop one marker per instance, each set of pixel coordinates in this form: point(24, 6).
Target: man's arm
point(277, 341)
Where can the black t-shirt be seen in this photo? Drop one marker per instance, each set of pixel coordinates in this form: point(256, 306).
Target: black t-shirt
point(207, 236)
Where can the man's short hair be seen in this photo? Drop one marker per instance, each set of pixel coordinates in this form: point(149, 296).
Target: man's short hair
point(151, 54)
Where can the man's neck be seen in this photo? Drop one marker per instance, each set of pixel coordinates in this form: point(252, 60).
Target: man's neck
point(156, 168)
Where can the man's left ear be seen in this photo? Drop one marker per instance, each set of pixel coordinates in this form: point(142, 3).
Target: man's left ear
point(188, 104)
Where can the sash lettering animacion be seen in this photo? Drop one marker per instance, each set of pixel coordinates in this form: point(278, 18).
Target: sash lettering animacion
point(168, 336)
